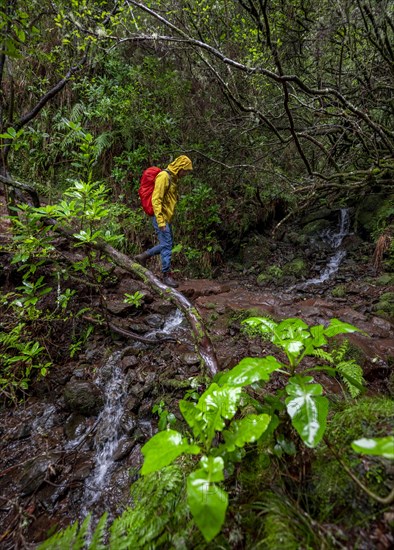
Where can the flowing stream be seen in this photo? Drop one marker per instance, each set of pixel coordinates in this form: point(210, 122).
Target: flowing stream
point(114, 385)
point(335, 240)
point(112, 380)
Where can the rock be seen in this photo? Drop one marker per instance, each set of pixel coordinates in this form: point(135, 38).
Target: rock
point(190, 359)
point(74, 426)
point(162, 307)
point(123, 448)
point(82, 469)
point(129, 361)
point(131, 404)
point(120, 309)
point(20, 432)
point(83, 397)
point(128, 423)
point(138, 328)
point(382, 328)
point(154, 320)
point(36, 471)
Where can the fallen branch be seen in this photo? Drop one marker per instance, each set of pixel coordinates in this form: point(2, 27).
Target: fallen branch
point(203, 342)
point(23, 187)
point(128, 333)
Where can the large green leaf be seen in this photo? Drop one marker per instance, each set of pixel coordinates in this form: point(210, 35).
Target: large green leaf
point(213, 466)
point(192, 415)
point(216, 405)
point(307, 409)
point(163, 448)
point(247, 430)
point(250, 370)
point(208, 503)
point(379, 446)
point(339, 327)
point(317, 333)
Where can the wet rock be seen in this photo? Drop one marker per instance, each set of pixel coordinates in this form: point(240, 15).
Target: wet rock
point(120, 309)
point(129, 361)
point(82, 469)
point(79, 373)
point(162, 307)
point(149, 383)
point(128, 423)
point(94, 353)
point(145, 410)
point(74, 426)
point(382, 328)
point(83, 397)
point(36, 471)
point(155, 320)
point(137, 390)
point(131, 404)
point(123, 448)
point(166, 354)
point(20, 432)
point(190, 359)
point(138, 328)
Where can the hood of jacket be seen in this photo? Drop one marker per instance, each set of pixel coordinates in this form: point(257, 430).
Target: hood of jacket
point(181, 163)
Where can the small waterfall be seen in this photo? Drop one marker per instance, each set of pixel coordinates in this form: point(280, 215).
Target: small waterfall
point(335, 240)
point(173, 322)
point(113, 382)
point(114, 385)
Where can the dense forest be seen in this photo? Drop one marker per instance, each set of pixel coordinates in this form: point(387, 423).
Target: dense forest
point(253, 406)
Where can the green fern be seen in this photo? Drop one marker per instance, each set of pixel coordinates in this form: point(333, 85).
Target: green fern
point(72, 538)
point(159, 514)
point(159, 511)
point(352, 375)
point(340, 352)
point(321, 354)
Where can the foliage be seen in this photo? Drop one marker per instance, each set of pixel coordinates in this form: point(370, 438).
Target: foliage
point(298, 341)
point(139, 526)
point(76, 537)
point(216, 408)
point(212, 414)
point(380, 446)
point(198, 219)
point(20, 360)
point(333, 494)
point(134, 299)
point(285, 525)
point(166, 418)
point(81, 212)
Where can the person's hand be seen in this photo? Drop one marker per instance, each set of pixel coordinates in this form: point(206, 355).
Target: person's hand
point(162, 228)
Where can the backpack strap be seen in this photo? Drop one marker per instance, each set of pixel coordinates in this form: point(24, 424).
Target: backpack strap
point(169, 179)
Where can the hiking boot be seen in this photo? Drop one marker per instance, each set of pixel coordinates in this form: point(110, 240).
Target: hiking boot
point(142, 259)
point(169, 281)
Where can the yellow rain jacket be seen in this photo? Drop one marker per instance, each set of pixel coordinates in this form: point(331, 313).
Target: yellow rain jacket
point(165, 193)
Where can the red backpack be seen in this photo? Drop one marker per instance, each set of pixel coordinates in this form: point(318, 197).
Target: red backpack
point(147, 184)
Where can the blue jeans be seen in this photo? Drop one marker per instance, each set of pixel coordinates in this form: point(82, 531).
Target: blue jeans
point(164, 248)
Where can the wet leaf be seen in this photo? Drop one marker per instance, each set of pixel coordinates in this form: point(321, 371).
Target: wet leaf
point(378, 446)
point(307, 409)
point(163, 448)
point(250, 370)
point(208, 503)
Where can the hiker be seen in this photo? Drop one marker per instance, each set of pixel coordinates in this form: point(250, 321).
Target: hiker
point(164, 199)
